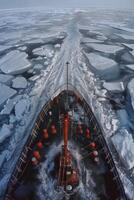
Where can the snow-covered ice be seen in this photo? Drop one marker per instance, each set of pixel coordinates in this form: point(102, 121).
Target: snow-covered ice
point(124, 145)
point(3, 48)
point(15, 62)
point(90, 40)
point(38, 66)
point(131, 91)
point(131, 46)
point(105, 67)
point(105, 48)
point(19, 82)
point(4, 78)
point(126, 37)
point(44, 51)
point(8, 107)
point(130, 67)
point(21, 107)
point(127, 57)
point(4, 132)
point(5, 93)
point(100, 62)
point(114, 86)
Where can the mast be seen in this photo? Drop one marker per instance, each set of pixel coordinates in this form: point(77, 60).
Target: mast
point(66, 129)
point(67, 64)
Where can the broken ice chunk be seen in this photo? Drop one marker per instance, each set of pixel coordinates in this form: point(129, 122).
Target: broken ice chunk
point(10, 105)
point(19, 82)
point(114, 86)
point(14, 62)
point(104, 67)
point(5, 132)
point(127, 57)
point(5, 78)
point(5, 93)
point(44, 51)
point(106, 48)
point(131, 91)
point(21, 108)
point(124, 145)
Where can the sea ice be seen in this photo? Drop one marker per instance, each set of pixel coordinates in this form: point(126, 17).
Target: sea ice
point(127, 57)
point(14, 62)
point(19, 82)
point(106, 48)
point(3, 48)
point(10, 105)
point(105, 67)
point(129, 45)
point(5, 93)
point(90, 40)
point(21, 107)
point(4, 78)
point(130, 67)
point(43, 51)
point(38, 66)
point(114, 86)
point(4, 132)
point(124, 145)
point(131, 91)
point(127, 37)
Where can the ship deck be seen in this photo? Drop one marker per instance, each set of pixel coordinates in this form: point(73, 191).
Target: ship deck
point(97, 179)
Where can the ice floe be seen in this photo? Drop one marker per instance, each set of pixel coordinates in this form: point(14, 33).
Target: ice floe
point(126, 37)
point(131, 46)
point(38, 66)
point(124, 145)
point(106, 48)
point(21, 108)
point(4, 47)
point(14, 62)
point(5, 93)
point(131, 91)
point(8, 107)
point(114, 86)
point(127, 57)
point(4, 78)
point(130, 67)
point(90, 40)
point(57, 46)
point(19, 82)
point(4, 132)
point(105, 67)
point(43, 51)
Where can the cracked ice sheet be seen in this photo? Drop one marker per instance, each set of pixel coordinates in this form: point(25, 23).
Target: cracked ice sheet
point(124, 145)
point(15, 62)
point(106, 48)
point(5, 93)
point(131, 91)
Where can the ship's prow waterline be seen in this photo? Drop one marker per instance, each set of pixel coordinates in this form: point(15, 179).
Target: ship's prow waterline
point(66, 120)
